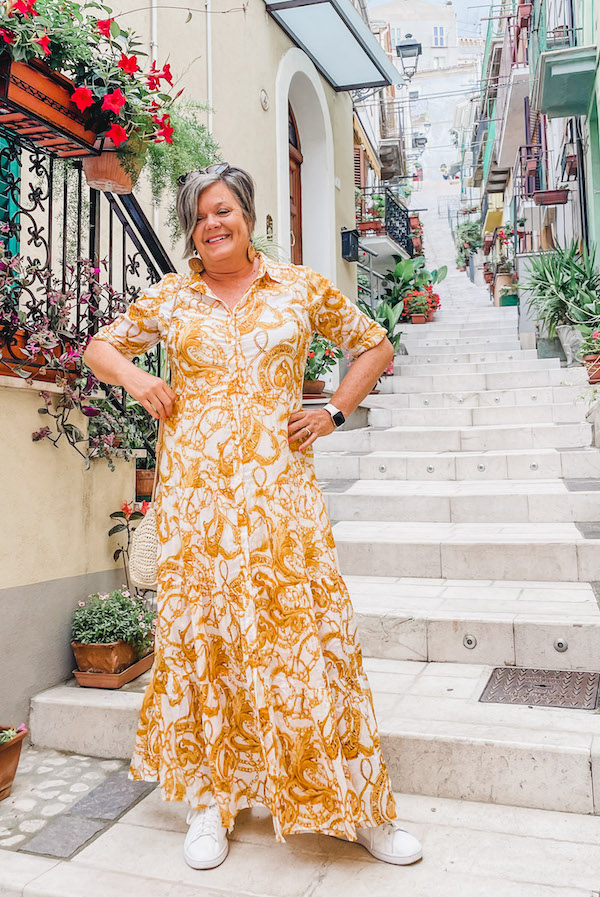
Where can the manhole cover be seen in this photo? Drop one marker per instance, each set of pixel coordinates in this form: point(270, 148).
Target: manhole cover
point(545, 688)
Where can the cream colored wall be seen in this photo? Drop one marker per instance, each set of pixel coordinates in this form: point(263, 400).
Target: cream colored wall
point(246, 51)
point(55, 512)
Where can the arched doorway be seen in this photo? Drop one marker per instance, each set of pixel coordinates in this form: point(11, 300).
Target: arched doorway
point(295, 190)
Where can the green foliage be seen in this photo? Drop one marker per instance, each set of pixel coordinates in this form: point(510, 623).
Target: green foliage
point(8, 734)
point(322, 356)
point(468, 236)
point(418, 305)
point(113, 616)
point(591, 344)
point(388, 316)
point(564, 288)
point(408, 275)
point(193, 147)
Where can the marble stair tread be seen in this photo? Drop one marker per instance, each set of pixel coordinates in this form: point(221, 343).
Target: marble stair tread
point(471, 849)
point(402, 367)
point(508, 464)
point(458, 382)
point(482, 398)
point(476, 550)
point(423, 356)
point(502, 622)
point(486, 415)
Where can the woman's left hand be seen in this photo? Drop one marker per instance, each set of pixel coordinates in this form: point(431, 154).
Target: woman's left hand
point(306, 426)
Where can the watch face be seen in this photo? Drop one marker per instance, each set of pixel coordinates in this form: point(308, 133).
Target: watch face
point(338, 419)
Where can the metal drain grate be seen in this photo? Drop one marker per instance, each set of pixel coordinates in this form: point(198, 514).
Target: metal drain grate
point(544, 688)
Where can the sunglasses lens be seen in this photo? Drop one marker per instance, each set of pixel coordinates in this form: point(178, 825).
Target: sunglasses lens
point(219, 168)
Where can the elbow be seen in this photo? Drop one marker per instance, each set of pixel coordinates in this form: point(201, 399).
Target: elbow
point(390, 351)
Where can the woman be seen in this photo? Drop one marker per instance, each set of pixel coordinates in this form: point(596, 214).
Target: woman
point(257, 695)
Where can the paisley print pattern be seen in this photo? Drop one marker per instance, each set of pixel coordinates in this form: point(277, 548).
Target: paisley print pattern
point(258, 693)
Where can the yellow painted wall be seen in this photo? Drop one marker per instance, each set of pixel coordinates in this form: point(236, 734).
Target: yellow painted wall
point(55, 512)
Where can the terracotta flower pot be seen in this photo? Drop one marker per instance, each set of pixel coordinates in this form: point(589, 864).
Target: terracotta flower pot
point(430, 317)
point(104, 658)
point(9, 760)
point(105, 172)
point(592, 363)
point(11, 355)
point(550, 197)
point(144, 480)
point(35, 102)
point(418, 319)
point(488, 276)
point(313, 387)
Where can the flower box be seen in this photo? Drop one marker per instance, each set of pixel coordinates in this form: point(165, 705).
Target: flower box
point(418, 319)
point(93, 679)
point(35, 103)
point(313, 387)
point(523, 14)
point(551, 197)
point(13, 355)
point(10, 752)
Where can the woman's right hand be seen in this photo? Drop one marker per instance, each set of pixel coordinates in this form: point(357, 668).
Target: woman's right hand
point(150, 391)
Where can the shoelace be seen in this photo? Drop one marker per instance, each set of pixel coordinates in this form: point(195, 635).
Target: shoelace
point(204, 822)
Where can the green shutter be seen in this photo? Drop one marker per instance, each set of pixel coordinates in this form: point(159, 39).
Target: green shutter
point(8, 208)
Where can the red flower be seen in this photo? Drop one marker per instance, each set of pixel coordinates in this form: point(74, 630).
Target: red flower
point(127, 509)
point(129, 64)
point(25, 7)
point(44, 43)
point(83, 98)
point(311, 354)
point(165, 132)
point(117, 134)
point(114, 102)
point(103, 26)
point(7, 36)
point(155, 75)
point(145, 506)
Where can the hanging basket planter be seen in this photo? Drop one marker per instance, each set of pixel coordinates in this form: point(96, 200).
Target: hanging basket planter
point(35, 103)
point(106, 171)
point(551, 197)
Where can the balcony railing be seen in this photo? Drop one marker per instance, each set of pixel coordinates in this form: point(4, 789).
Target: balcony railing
point(382, 213)
point(530, 173)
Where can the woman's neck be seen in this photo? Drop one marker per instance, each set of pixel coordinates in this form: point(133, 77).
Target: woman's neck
point(228, 269)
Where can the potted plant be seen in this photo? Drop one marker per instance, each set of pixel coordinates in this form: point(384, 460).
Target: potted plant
point(112, 637)
point(589, 351)
point(123, 106)
point(509, 294)
point(11, 742)
point(409, 275)
point(488, 274)
point(417, 307)
point(322, 357)
point(461, 261)
point(521, 227)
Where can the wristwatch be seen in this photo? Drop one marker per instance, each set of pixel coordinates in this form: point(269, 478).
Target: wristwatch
point(336, 415)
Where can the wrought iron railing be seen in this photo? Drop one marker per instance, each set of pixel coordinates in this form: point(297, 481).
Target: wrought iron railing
point(57, 223)
point(381, 211)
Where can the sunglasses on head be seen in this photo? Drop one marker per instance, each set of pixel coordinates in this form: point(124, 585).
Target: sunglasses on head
point(219, 168)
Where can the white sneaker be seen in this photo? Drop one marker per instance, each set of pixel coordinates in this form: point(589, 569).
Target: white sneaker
point(390, 843)
point(206, 844)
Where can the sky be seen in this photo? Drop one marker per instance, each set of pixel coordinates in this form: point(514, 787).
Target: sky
point(468, 12)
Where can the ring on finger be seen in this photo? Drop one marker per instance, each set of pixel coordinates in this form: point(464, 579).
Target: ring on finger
point(308, 431)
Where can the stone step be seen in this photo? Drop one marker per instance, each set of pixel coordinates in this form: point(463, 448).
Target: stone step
point(429, 381)
point(471, 849)
point(492, 415)
point(468, 501)
point(526, 551)
point(451, 347)
point(460, 439)
point(505, 623)
point(423, 356)
point(531, 396)
point(437, 737)
point(414, 369)
point(511, 464)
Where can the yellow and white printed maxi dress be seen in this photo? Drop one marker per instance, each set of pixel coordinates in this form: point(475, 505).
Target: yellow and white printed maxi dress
point(258, 693)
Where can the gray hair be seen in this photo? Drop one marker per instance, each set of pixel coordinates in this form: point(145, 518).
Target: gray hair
point(239, 182)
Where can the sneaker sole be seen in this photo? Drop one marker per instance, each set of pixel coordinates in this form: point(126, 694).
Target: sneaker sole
point(208, 864)
point(390, 858)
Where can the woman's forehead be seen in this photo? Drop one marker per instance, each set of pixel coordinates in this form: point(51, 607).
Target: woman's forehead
point(215, 195)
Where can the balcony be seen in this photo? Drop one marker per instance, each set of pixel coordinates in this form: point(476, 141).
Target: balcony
point(494, 175)
point(513, 89)
point(383, 222)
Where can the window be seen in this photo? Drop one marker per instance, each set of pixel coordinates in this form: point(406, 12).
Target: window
point(413, 94)
point(439, 39)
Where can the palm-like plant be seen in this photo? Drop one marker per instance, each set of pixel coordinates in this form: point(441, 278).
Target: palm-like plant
point(408, 275)
point(388, 316)
point(565, 288)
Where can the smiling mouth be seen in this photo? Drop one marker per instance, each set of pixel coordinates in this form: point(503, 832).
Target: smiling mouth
point(217, 239)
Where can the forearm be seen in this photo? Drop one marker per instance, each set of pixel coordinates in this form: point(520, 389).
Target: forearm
point(107, 363)
point(362, 377)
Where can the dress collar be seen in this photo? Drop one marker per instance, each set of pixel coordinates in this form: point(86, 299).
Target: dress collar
point(266, 267)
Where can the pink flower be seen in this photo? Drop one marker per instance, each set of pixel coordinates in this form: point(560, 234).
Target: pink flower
point(596, 334)
point(81, 603)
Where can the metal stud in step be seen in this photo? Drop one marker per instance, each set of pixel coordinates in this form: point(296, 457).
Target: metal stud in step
point(534, 465)
point(510, 358)
point(561, 645)
point(481, 468)
point(534, 398)
point(460, 401)
point(426, 401)
point(382, 468)
point(497, 400)
point(470, 642)
point(430, 468)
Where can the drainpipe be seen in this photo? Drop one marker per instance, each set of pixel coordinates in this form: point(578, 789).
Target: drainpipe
point(154, 58)
point(581, 191)
point(209, 76)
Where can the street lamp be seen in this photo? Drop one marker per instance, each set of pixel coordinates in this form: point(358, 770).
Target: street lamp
point(408, 50)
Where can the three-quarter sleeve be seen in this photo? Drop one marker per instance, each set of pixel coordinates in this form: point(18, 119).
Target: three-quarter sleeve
point(144, 323)
point(338, 319)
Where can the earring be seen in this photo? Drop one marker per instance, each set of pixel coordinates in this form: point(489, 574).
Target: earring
point(196, 265)
point(251, 252)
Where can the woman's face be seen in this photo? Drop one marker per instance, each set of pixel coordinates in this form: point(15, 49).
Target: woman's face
point(221, 233)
